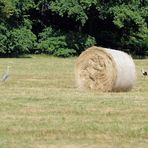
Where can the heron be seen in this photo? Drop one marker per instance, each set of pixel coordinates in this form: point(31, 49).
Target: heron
point(6, 74)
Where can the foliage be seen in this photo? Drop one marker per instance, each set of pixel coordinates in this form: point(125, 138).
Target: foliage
point(79, 42)
point(63, 44)
point(3, 39)
point(133, 27)
point(20, 41)
point(52, 43)
point(6, 9)
point(78, 24)
point(16, 41)
point(71, 8)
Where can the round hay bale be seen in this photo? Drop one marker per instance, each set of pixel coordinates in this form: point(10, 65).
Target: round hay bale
point(104, 70)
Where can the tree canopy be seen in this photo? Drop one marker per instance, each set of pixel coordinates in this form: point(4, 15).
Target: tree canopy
point(66, 27)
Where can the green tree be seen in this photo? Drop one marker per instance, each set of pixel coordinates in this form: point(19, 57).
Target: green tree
point(76, 25)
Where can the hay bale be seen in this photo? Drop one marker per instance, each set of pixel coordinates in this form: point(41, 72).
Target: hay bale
point(104, 70)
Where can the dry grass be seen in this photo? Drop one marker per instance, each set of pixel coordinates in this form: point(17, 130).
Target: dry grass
point(104, 70)
point(40, 107)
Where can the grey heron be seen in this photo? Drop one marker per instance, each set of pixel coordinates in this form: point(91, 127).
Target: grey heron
point(6, 74)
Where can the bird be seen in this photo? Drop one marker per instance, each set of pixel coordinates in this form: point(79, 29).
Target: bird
point(6, 74)
point(144, 72)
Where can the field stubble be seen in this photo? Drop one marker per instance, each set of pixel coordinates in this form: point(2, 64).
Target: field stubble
point(41, 107)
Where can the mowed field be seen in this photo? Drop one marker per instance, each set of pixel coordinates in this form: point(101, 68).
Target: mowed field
point(40, 107)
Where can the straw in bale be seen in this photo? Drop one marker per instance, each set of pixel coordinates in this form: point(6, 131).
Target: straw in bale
point(104, 69)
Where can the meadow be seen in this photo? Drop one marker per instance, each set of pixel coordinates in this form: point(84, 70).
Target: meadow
point(40, 107)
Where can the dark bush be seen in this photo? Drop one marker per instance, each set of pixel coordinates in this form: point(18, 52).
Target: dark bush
point(63, 44)
point(3, 39)
point(79, 42)
point(53, 43)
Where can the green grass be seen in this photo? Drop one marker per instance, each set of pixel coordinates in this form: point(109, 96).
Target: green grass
point(40, 107)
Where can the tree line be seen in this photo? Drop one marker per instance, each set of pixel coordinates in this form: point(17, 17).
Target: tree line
point(66, 27)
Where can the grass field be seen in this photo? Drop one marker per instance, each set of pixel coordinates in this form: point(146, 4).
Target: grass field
point(40, 108)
